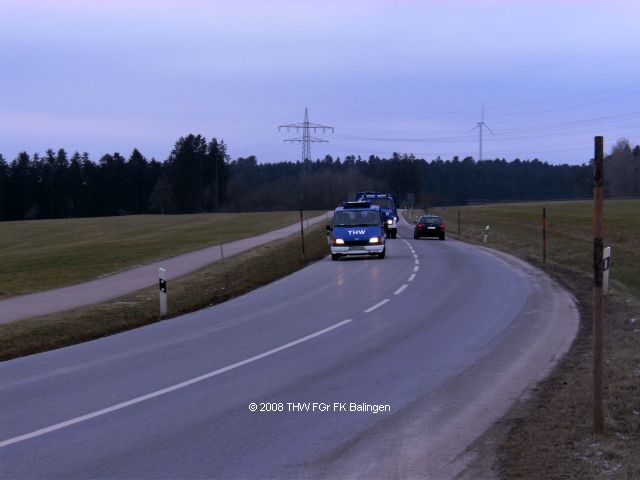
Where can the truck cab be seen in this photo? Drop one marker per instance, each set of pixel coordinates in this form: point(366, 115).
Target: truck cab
point(357, 229)
point(387, 204)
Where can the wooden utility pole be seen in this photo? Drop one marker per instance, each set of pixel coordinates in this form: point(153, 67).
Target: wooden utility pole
point(302, 235)
point(598, 307)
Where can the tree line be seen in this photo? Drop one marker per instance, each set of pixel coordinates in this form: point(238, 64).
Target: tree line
point(192, 179)
point(199, 176)
point(324, 183)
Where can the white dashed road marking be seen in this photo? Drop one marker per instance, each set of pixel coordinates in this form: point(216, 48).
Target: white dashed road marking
point(400, 290)
point(377, 305)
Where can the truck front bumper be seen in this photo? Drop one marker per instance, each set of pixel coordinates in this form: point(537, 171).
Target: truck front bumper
point(357, 250)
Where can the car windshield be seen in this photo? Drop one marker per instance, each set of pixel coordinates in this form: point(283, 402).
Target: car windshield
point(356, 218)
point(430, 221)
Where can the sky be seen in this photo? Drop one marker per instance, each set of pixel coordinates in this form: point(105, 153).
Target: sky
point(405, 76)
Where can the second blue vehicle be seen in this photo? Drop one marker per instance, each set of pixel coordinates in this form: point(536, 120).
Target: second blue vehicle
point(358, 229)
point(387, 204)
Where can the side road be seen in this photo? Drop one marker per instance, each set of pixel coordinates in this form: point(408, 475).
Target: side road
point(113, 286)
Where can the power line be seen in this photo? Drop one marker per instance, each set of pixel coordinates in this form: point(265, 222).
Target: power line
point(622, 120)
point(410, 116)
point(536, 137)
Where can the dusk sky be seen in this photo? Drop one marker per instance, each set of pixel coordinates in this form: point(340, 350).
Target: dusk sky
point(406, 76)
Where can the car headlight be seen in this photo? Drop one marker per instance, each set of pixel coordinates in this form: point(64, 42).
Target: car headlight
point(338, 241)
point(390, 222)
point(374, 240)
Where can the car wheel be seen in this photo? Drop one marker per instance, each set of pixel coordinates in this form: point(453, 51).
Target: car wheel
point(415, 236)
point(335, 256)
point(441, 237)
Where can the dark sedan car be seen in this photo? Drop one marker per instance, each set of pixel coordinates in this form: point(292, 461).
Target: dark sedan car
point(429, 226)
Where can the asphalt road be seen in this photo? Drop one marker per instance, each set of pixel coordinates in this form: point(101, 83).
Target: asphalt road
point(444, 334)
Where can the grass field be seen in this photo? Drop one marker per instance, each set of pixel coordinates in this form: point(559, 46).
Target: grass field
point(518, 227)
point(550, 435)
point(43, 254)
point(214, 284)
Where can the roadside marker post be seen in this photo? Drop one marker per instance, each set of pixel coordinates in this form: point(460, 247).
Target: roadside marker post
point(544, 234)
point(598, 307)
point(162, 275)
point(486, 234)
point(605, 270)
point(458, 225)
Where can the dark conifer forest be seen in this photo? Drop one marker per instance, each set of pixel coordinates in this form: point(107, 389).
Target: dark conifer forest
point(199, 176)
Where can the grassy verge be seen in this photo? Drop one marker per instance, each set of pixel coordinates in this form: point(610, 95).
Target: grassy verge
point(43, 254)
point(214, 284)
point(549, 436)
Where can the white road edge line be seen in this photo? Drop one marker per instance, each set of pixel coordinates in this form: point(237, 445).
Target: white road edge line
point(411, 277)
point(377, 305)
point(400, 290)
point(120, 406)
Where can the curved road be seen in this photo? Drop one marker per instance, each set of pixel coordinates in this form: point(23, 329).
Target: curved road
point(445, 334)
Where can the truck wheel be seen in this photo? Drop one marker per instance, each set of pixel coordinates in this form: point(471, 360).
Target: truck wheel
point(335, 256)
point(394, 233)
point(381, 255)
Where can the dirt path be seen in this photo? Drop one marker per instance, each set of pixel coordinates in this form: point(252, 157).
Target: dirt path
point(113, 286)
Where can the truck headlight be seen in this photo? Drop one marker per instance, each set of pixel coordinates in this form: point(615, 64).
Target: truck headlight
point(374, 240)
point(338, 241)
point(390, 222)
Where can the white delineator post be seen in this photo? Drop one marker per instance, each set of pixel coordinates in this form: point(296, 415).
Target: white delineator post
point(163, 291)
point(605, 270)
point(486, 234)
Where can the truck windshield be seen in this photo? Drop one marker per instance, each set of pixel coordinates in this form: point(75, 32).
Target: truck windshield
point(385, 203)
point(356, 218)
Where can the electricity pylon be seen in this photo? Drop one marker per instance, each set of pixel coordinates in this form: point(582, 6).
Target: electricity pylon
point(479, 126)
point(306, 138)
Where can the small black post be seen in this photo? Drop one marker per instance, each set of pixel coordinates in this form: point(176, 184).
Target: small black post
point(458, 224)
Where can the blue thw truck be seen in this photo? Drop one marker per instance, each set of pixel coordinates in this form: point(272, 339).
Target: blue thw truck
point(387, 205)
point(358, 229)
